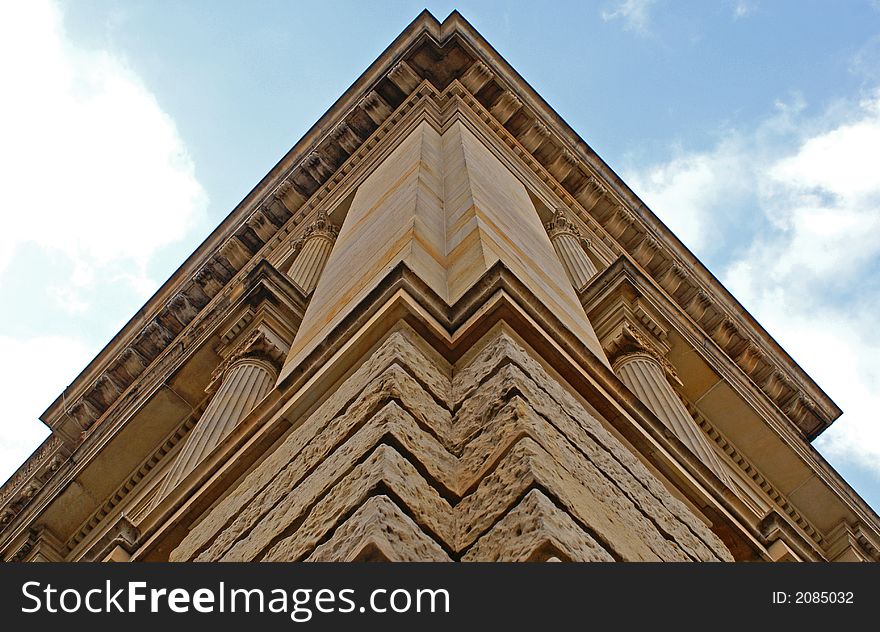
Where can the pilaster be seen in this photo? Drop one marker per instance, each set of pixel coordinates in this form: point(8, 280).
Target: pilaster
point(634, 337)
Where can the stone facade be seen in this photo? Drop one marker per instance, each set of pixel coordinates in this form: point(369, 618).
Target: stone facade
point(457, 454)
point(441, 329)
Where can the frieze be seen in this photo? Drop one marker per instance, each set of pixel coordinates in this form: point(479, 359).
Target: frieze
point(31, 477)
point(749, 469)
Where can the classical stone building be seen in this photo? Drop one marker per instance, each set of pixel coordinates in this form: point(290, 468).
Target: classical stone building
point(441, 328)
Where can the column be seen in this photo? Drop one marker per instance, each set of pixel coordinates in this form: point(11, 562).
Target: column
point(314, 250)
point(240, 382)
point(645, 375)
point(566, 239)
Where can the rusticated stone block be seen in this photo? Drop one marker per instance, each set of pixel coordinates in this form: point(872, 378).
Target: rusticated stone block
point(519, 455)
point(396, 348)
point(379, 531)
point(504, 350)
point(289, 495)
point(527, 466)
point(534, 527)
point(511, 383)
point(385, 469)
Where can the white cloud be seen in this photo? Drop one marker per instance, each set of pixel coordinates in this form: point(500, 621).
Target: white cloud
point(865, 63)
point(95, 179)
point(743, 9)
point(684, 188)
point(635, 14)
point(92, 167)
point(798, 200)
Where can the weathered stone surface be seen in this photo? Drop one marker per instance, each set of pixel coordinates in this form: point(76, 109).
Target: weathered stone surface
point(379, 531)
point(525, 422)
point(287, 497)
point(385, 469)
point(528, 465)
point(396, 348)
point(515, 434)
point(503, 350)
point(585, 458)
point(532, 530)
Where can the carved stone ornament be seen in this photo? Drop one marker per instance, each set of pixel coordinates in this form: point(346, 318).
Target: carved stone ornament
point(561, 224)
point(321, 227)
point(631, 342)
point(257, 346)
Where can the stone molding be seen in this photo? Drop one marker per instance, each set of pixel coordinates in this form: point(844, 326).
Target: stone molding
point(752, 471)
point(122, 533)
point(40, 545)
point(128, 486)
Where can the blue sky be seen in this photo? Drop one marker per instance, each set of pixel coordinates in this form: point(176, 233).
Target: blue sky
point(751, 127)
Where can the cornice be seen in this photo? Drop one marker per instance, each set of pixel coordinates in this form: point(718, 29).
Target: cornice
point(36, 482)
point(754, 473)
point(148, 465)
point(624, 271)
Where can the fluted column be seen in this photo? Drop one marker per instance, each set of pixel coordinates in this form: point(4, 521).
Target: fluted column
point(645, 376)
point(566, 240)
point(314, 250)
point(240, 383)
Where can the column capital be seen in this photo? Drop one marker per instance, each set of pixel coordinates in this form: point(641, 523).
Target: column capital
point(256, 347)
point(320, 227)
point(561, 224)
point(630, 341)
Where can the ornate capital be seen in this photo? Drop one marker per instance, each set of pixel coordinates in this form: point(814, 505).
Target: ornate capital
point(257, 346)
point(560, 224)
point(630, 341)
point(321, 227)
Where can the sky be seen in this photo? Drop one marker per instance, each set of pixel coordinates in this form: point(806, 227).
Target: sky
point(129, 130)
